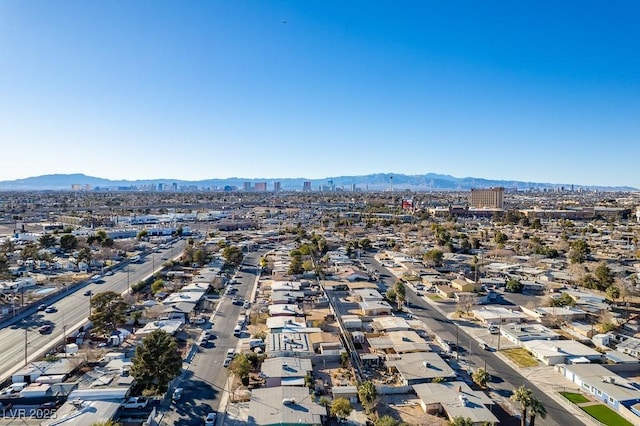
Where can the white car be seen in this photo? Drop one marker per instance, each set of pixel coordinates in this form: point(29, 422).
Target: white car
point(177, 394)
point(210, 420)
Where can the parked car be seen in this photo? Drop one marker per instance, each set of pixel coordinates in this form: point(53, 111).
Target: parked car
point(42, 307)
point(50, 310)
point(45, 329)
point(227, 362)
point(210, 420)
point(135, 402)
point(177, 394)
point(87, 293)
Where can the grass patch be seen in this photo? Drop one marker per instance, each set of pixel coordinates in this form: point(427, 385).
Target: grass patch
point(521, 357)
point(606, 415)
point(434, 297)
point(576, 398)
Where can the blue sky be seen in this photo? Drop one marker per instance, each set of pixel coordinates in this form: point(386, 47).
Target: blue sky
point(541, 91)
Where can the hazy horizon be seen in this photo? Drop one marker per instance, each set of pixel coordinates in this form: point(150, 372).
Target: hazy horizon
point(540, 92)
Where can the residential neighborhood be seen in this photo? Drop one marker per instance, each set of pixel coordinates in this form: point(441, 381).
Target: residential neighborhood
point(298, 308)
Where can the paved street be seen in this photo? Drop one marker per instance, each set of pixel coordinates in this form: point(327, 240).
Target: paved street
point(205, 379)
point(22, 341)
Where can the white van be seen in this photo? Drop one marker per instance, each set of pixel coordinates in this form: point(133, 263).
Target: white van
point(237, 331)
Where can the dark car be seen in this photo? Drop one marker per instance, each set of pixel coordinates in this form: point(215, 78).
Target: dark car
point(45, 329)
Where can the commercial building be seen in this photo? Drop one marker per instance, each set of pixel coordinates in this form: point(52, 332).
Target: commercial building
point(489, 198)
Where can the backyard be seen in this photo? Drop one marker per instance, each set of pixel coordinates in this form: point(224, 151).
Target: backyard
point(600, 412)
point(606, 415)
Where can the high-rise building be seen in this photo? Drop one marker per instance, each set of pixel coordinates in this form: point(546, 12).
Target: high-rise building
point(260, 186)
point(247, 186)
point(491, 198)
point(306, 186)
point(277, 187)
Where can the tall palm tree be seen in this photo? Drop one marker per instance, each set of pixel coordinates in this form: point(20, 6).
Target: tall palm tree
point(523, 395)
point(368, 394)
point(537, 408)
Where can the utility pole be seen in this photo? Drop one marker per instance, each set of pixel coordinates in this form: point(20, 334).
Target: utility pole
point(457, 344)
point(25, 346)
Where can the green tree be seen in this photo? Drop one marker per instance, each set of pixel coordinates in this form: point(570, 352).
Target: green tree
point(536, 408)
point(47, 240)
point(365, 244)
point(341, 408)
point(29, 252)
point(107, 312)
point(562, 301)
point(368, 395)
point(514, 286)
point(142, 234)
point(157, 286)
point(241, 367)
point(157, 361)
point(579, 251)
point(68, 242)
point(200, 257)
point(296, 266)
point(481, 377)
point(613, 293)
point(233, 256)
point(85, 255)
point(386, 421)
point(522, 395)
point(434, 257)
point(603, 275)
point(500, 238)
point(401, 293)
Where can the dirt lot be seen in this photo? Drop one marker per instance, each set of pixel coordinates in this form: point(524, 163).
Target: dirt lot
point(406, 407)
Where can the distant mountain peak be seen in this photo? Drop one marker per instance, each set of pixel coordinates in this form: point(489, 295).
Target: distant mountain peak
point(371, 182)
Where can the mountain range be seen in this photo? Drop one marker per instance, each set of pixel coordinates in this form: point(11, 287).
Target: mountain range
point(371, 182)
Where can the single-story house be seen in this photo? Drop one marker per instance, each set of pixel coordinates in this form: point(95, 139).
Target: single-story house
point(617, 392)
point(456, 399)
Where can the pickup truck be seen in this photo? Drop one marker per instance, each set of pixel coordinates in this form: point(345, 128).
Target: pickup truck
point(135, 402)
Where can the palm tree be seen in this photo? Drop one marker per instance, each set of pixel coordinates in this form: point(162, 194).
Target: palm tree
point(537, 408)
point(522, 395)
point(368, 394)
point(481, 377)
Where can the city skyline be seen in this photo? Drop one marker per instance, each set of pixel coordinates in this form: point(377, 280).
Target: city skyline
point(540, 92)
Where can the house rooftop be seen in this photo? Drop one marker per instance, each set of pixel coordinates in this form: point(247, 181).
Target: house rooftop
point(458, 400)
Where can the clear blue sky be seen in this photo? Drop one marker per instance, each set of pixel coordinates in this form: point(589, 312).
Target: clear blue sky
point(545, 91)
